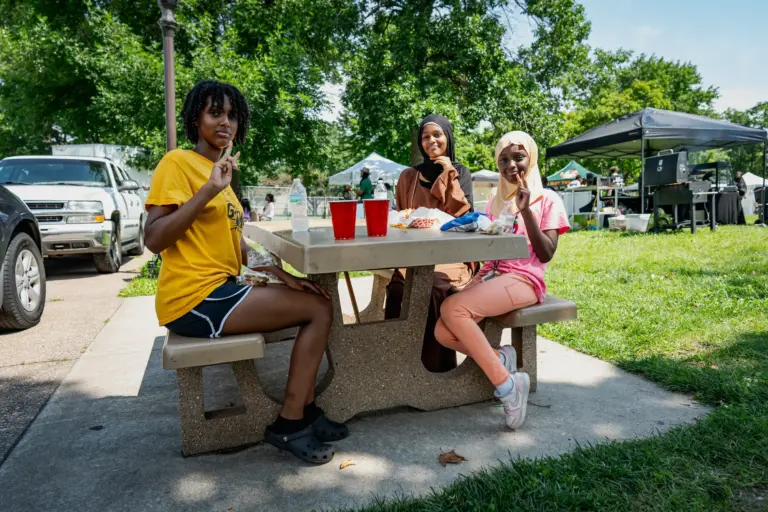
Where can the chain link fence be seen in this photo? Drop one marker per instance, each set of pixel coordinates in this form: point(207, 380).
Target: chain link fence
point(317, 206)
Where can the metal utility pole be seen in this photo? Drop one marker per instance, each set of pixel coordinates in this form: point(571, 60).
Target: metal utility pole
point(168, 25)
point(765, 166)
point(642, 172)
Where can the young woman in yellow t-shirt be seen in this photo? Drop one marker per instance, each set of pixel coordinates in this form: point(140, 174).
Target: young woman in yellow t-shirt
point(196, 222)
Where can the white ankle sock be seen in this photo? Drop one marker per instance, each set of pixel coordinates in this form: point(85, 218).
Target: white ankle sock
point(505, 388)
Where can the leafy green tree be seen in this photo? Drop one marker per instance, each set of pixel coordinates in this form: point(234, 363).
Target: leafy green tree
point(91, 71)
point(420, 57)
point(748, 158)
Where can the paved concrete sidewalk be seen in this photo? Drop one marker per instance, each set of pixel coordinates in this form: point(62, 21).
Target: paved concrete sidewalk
point(109, 438)
point(33, 362)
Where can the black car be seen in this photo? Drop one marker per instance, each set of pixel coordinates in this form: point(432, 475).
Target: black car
point(22, 274)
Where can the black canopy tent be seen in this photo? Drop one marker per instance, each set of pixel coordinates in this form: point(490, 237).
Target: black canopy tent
point(650, 130)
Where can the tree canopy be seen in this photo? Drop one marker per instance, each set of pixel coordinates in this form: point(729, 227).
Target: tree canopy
point(90, 71)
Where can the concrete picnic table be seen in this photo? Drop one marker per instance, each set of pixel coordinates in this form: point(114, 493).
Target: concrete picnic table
point(377, 365)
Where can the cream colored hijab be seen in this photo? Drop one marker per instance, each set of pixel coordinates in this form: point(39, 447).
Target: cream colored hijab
point(506, 191)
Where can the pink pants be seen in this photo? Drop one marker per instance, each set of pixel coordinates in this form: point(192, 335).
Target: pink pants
point(457, 328)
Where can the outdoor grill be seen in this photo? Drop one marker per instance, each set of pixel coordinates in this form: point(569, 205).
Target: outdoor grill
point(671, 176)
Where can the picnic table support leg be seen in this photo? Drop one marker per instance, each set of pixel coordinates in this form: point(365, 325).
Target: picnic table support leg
point(375, 309)
point(352, 297)
point(524, 341)
point(191, 407)
point(205, 431)
point(377, 365)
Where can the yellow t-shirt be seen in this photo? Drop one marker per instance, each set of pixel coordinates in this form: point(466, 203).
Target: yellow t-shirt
point(209, 252)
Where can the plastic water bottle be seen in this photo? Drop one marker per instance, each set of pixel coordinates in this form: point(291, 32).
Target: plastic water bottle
point(298, 207)
point(381, 191)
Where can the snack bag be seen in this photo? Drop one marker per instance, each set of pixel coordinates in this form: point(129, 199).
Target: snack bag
point(252, 278)
point(422, 223)
point(422, 218)
point(467, 223)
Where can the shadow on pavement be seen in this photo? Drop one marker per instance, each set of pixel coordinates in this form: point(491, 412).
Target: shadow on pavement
point(62, 269)
point(114, 443)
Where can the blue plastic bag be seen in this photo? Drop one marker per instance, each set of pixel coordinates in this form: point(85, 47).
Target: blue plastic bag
point(467, 223)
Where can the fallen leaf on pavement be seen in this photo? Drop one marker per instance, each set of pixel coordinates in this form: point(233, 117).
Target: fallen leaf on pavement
point(451, 457)
point(346, 464)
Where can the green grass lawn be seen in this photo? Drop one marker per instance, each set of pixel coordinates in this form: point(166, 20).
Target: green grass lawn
point(687, 311)
point(141, 285)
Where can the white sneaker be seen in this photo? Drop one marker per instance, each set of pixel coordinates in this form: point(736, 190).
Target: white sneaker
point(511, 357)
point(516, 403)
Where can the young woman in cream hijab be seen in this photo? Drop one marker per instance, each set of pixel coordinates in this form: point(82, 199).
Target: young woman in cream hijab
point(503, 286)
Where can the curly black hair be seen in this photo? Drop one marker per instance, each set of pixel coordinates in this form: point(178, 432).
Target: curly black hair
point(197, 99)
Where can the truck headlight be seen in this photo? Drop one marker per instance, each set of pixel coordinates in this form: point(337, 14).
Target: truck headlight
point(86, 206)
point(87, 212)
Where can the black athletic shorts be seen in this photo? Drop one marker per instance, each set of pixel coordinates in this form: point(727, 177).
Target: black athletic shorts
point(206, 320)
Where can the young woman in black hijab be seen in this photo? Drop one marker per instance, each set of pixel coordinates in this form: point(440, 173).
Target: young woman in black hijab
point(438, 182)
point(437, 148)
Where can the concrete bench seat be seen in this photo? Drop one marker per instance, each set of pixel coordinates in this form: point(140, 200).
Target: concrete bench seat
point(206, 431)
point(523, 323)
point(182, 352)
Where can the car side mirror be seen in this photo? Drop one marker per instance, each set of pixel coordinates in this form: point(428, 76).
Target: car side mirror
point(128, 186)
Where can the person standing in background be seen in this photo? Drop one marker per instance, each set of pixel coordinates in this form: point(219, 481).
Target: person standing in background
point(365, 191)
point(741, 185)
point(268, 213)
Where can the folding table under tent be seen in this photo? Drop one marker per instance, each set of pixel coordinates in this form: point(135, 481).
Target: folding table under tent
point(650, 130)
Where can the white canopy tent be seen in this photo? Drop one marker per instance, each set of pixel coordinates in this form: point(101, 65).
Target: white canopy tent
point(748, 201)
point(379, 166)
point(485, 176)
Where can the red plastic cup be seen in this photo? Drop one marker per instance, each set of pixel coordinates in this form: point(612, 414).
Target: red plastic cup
point(343, 219)
point(376, 216)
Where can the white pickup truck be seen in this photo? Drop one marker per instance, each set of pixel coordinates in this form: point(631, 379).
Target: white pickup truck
point(84, 205)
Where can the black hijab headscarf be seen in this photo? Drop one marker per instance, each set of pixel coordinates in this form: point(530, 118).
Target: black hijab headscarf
point(431, 170)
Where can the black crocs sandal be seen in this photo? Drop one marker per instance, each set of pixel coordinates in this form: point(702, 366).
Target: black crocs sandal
point(328, 430)
point(304, 444)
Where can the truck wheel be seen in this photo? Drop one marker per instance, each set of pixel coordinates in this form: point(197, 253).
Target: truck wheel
point(23, 286)
point(109, 262)
point(139, 249)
